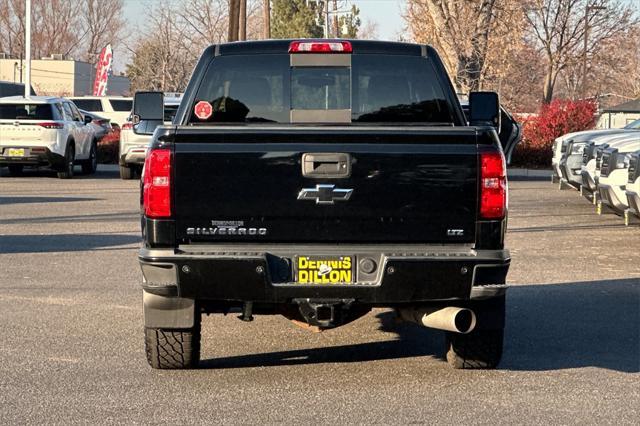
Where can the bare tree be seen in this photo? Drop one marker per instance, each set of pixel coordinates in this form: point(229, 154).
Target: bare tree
point(53, 29)
point(558, 26)
point(163, 58)
point(460, 30)
point(102, 23)
point(73, 28)
point(12, 27)
point(206, 20)
point(368, 31)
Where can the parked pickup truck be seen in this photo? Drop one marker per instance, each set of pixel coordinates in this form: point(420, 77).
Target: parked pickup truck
point(318, 180)
point(132, 148)
point(633, 189)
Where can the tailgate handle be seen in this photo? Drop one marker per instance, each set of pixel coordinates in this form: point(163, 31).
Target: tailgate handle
point(326, 165)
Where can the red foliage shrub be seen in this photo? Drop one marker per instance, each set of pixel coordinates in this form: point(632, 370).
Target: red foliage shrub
point(108, 147)
point(555, 119)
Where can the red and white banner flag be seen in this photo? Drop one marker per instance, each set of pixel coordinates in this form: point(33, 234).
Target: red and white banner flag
point(102, 72)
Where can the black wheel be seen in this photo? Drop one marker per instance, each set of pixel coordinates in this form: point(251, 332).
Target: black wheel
point(90, 165)
point(478, 349)
point(15, 169)
point(173, 349)
point(126, 172)
point(66, 169)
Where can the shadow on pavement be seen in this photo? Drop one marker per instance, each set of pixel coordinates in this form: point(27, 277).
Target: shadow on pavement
point(33, 200)
point(133, 216)
point(63, 242)
point(105, 171)
point(549, 327)
point(573, 325)
point(522, 178)
point(412, 341)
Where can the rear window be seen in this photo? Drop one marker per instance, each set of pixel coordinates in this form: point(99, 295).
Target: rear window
point(121, 105)
point(170, 112)
point(320, 88)
point(93, 105)
point(26, 112)
point(374, 89)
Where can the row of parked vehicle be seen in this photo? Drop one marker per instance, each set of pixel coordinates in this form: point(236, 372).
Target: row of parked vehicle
point(63, 133)
point(604, 165)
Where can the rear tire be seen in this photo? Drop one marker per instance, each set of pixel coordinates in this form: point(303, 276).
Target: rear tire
point(126, 172)
point(15, 169)
point(480, 349)
point(173, 349)
point(90, 165)
point(66, 170)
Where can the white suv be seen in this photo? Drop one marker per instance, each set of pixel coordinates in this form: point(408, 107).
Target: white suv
point(133, 147)
point(45, 131)
point(115, 108)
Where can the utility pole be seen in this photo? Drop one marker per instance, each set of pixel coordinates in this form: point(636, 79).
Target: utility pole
point(586, 45)
point(27, 49)
point(336, 30)
point(326, 19)
point(242, 20)
point(267, 19)
point(234, 17)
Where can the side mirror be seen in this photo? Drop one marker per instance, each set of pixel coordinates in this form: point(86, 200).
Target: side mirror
point(87, 119)
point(484, 109)
point(148, 112)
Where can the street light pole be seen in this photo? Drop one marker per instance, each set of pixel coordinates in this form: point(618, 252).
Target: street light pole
point(27, 49)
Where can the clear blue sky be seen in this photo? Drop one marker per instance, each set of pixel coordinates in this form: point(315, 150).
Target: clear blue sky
point(387, 14)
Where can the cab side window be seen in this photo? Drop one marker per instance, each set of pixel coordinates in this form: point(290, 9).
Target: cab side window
point(58, 111)
point(68, 114)
point(77, 116)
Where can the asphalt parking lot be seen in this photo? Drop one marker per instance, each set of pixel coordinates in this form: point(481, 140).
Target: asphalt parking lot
point(71, 342)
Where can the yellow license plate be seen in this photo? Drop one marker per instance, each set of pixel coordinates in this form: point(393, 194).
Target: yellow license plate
point(324, 269)
point(16, 152)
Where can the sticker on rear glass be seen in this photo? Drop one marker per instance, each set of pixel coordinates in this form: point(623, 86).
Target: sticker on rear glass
point(203, 110)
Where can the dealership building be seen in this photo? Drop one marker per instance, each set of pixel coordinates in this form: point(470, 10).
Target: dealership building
point(620, 115)
point(58, 76)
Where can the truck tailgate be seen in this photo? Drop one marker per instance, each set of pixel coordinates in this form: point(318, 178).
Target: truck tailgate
point(409, 185)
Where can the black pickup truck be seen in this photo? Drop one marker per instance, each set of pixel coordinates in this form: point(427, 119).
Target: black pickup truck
point(318, 179)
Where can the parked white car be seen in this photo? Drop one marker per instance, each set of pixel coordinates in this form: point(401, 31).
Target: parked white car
point(115, 108)
point(133, 147)
point(45, 131)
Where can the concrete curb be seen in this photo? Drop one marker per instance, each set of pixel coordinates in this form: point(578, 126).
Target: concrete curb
point(535, 173)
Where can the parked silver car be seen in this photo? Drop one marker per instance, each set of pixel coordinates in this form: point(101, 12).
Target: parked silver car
point(101, 125)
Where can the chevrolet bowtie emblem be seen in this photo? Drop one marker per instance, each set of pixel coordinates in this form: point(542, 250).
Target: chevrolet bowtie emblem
point(325, 194)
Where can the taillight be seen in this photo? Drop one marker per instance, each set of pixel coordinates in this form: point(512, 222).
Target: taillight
point(493, 185)
point(51, 125)
point(320, 47)
point(127, 126)
point(156, 191)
